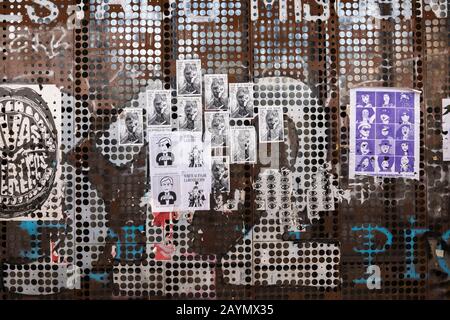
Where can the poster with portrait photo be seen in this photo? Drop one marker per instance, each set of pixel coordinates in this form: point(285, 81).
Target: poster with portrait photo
point(220, 174)
point(196, 189)
point(131, 127)
point(241, 100)
point(216, 92)
point(166, 192)
point(190, 114)
point(195, 152)
point(163, 151)
point(384, 132)
point(159, 108)
point(218, 126)
point(243, 144)
point(189, 77)
point(271, 124)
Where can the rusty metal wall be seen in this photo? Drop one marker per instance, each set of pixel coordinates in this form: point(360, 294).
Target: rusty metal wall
point(302, 55)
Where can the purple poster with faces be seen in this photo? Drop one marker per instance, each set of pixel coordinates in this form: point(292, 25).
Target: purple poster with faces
point(384, 132)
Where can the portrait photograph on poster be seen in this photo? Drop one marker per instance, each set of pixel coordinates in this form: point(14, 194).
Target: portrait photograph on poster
point(131, 127)
point(384, 135)
point(159, 108)
point(189, 77)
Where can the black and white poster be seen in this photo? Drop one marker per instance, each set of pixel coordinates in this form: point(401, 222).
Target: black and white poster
point(166, 193)
point(159, 108)
point(271, 124)
point(220, 174)
point(243, 145)
point(30, 139)
point(446, 129)
point(196, 187)
point(218, 126)
point(131, 129)
point(190, 114)
point(163, 149)
point(216, 92)
point(195, 153)
point(241, 100)
point(189, 78)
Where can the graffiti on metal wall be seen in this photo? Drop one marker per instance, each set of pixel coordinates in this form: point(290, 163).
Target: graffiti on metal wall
point(226, 149)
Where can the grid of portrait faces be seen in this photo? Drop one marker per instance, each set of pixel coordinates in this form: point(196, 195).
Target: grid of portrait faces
point(384, 131)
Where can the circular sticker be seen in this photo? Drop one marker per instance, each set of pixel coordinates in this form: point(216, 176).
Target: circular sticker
point(28, 151)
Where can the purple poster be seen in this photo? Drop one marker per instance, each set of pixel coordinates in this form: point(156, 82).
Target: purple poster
point(384, 132)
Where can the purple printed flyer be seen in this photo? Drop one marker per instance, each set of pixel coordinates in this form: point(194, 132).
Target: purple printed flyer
point(384, 132)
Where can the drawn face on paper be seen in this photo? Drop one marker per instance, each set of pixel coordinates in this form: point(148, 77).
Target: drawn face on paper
point(404, 100)
point(405, 117)
point(365, 98)
point(166, 184)
point(242, 97)
point(196, 152)
point(217, 89)
point(195, 191)
point(271, 119)
point(385, 148)
point(131, 122)
point(365, 114)
point(218, 170)
point(164, 144)
point(386, 98)
point(384, 118)
point(190, 73)
point(405, 147)
point(364, 131)
point(365, 148)
point(218, 123)
point(385, 131)
point(190, 110)
point(385, 164)
point(365, 163)
point(244, 139)
point(405, 131)
point(159, 103)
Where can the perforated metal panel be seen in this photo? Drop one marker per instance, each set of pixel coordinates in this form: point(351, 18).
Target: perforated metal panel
point(267, 237)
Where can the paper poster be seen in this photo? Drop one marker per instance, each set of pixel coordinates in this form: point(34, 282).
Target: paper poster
point(196, 187)
point(446, 129)
point(241, 100)
point(220, 174)
point(158, 108)
point(216, 92)
point(163, 148)
point(384, 132)
point(190, 114)
point(131, 129)
point(166, 192)
point(218, 126)
point(189, 77)
point(31, 185)
point(271, 124)
point(195, 153)
point(243, 145)
point(180, 171)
